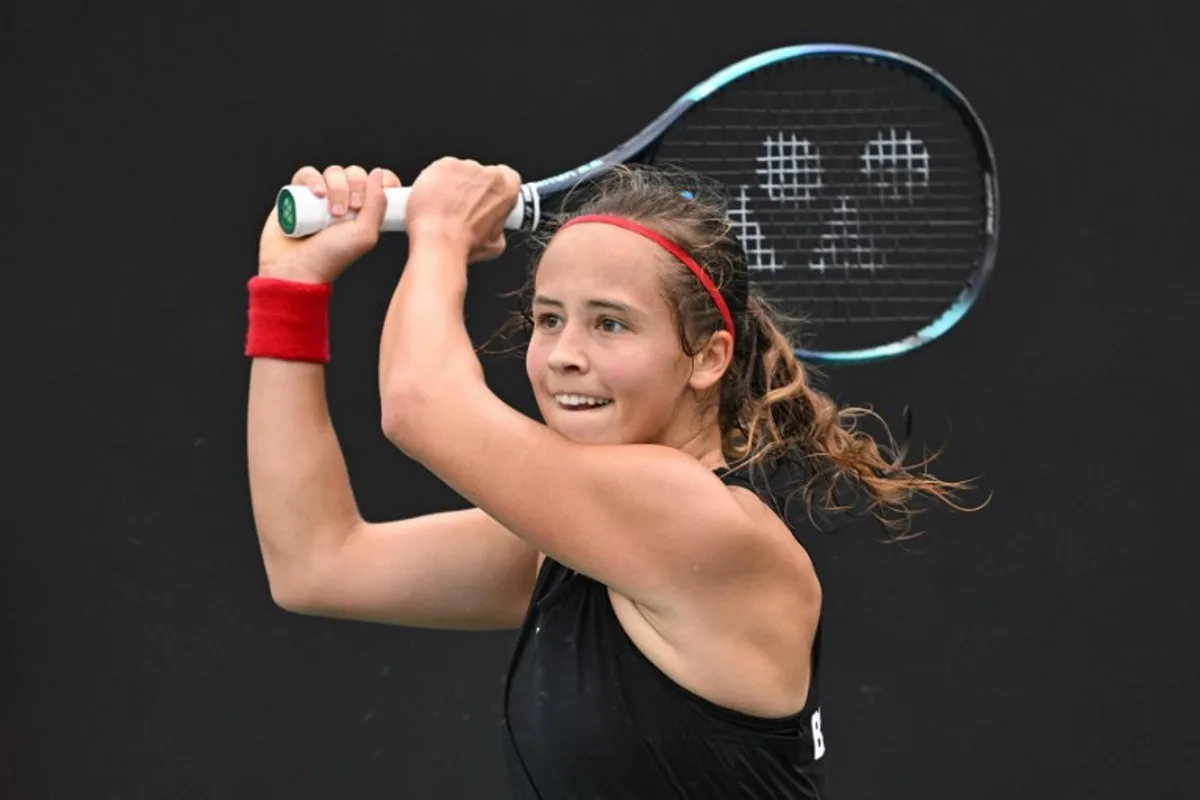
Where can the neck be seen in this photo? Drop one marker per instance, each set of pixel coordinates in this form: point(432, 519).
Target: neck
point(702, 442)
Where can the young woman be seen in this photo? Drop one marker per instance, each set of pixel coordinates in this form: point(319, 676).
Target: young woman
point(639, 537)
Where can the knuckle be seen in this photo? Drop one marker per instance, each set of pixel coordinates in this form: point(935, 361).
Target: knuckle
point(305, 173)
point(505, 178)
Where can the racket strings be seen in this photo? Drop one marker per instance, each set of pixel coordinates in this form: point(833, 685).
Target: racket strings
point(858, 197)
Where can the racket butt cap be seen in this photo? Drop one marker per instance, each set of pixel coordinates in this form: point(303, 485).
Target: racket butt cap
point(300, 212)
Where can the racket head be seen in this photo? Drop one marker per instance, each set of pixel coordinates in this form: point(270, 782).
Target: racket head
point(861, 183)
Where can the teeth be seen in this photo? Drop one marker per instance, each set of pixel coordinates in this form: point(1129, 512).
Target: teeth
point(580, 400)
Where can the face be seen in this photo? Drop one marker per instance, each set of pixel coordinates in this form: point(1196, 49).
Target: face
point(604, 360)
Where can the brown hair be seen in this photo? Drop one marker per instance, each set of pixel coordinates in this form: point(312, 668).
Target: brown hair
point(767, 408)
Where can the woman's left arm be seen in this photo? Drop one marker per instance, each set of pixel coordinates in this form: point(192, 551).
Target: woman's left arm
point(649, 521)
point(424, 336)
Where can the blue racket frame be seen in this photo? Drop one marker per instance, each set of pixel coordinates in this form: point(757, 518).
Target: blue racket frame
point(644, 142)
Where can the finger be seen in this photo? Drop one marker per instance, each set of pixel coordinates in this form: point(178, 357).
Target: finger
point(339, 190)
point(500, 245)
point(512, 178)
point(390, 179)
point(356, 181)
point(506, 181)
point(374, 203)
point(491, 250)
point(311, 178)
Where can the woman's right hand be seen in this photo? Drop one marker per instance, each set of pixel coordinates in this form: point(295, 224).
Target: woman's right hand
point(324, 256)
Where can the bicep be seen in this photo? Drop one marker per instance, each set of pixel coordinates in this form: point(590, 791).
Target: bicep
point(454, 569)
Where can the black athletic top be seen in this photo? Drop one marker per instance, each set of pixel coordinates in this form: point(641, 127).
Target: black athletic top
point(587, 715)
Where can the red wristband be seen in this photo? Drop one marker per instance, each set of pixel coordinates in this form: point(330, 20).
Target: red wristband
point(288, 320)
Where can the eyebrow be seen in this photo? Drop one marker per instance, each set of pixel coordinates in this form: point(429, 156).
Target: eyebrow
point(612, 305)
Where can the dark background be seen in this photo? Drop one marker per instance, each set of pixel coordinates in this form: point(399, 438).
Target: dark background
point(1044, 648)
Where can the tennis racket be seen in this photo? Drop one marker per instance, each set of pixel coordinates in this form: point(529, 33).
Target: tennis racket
point(861, 183)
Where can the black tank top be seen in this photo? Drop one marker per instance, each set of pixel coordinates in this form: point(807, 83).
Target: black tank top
point(588, 716)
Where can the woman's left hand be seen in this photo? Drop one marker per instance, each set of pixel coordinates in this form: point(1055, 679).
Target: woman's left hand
point(462, 203)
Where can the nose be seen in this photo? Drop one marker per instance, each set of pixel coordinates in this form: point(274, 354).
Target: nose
point(569, 353)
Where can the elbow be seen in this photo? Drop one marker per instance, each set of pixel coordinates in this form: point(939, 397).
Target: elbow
point(402, 407)
point(418, 409)
point(293, 588)
point(291, 597)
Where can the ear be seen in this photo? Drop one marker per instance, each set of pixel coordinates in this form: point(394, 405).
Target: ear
point(710, 363)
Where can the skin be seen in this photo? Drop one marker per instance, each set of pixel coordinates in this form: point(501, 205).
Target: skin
point(714, 591)
point(603, 328)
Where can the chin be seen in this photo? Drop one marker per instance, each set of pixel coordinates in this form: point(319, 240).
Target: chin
point(585, 434)
point(580, 429)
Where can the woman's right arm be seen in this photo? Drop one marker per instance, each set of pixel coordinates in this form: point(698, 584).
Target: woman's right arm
point(458, 569)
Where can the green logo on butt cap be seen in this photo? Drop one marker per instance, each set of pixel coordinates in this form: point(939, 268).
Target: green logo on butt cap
point(287, 212)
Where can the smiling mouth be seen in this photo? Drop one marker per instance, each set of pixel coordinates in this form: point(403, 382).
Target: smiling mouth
point(580, 402)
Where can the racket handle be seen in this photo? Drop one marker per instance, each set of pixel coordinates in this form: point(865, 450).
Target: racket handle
point(301, 213)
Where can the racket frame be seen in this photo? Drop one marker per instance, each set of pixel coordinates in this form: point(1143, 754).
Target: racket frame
point(641, 147)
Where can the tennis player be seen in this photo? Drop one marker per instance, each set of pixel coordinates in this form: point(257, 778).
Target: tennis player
point(639, 537)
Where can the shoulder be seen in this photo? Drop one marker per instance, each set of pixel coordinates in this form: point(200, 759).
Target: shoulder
point(745, 548)
point(741, 636)
point(768, 569)
point(699, 530)
point(769, 532)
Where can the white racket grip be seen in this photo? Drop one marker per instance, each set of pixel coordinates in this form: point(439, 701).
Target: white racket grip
point(301, 213)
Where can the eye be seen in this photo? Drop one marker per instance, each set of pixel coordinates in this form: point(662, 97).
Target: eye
point(546, 320)
point(610, 325)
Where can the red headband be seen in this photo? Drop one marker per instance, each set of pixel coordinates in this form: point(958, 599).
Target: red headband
point(671, 248)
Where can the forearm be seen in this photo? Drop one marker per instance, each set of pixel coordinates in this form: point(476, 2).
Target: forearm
point(424, 338)
point(300, 489)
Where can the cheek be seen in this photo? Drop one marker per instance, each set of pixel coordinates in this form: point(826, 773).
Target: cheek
point(643, 374)
point(535, 360)
point(620, 376)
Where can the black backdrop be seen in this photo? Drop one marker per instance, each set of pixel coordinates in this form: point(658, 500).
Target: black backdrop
point(1045, 648)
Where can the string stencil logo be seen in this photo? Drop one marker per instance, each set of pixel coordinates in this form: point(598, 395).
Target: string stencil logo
point(896, 165)
point(845, 243)
point(792, 168)
point(749, 232)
